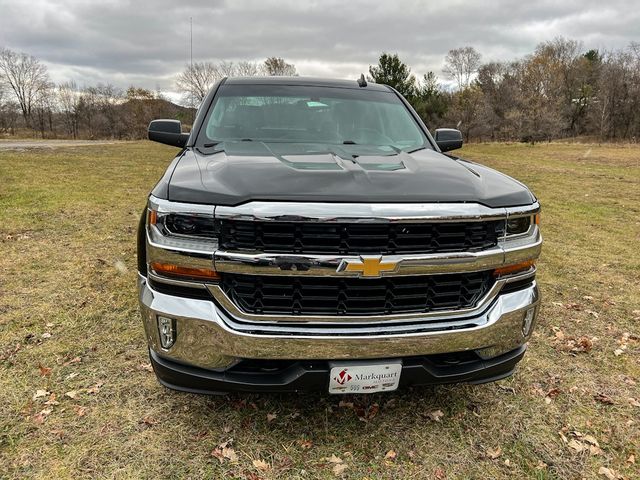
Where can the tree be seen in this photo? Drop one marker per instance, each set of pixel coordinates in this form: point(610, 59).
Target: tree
point(461, 64)
point(27, 77)
point(9, 112)
point(69, 99)
point(196, 81)
point(247, 69)
point(276, 66)
point(430, 101)
point(395, 73)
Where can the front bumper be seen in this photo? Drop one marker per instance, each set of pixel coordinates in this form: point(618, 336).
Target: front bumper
point(314, 375)
point(208, 338)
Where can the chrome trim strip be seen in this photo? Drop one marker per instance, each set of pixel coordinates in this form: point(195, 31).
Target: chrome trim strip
point(241, 316)
point(364, 213)
point(507, 252)
point(328, 265)
point(172, 281)
point(165, 206)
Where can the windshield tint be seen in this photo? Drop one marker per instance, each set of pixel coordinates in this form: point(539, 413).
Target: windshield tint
point(307, 114)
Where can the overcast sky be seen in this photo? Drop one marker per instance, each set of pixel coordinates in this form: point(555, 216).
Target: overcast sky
point(146, 42)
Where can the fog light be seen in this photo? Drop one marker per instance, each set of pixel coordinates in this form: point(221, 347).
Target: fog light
point(167, 331)
point(527, 321)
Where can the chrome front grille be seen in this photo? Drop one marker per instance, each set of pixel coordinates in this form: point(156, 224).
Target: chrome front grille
point(304, 296)
point(357, 238)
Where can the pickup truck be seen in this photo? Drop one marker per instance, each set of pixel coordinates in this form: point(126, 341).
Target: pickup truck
point(311, 234)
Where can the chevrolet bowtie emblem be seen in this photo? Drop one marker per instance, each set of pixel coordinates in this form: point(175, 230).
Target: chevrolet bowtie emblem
point(368, 266)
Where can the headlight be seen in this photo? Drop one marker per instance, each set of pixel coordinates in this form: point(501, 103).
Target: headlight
point(182, 239)
point(520, 225)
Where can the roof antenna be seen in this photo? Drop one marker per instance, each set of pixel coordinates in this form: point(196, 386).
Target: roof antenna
point(362, 82)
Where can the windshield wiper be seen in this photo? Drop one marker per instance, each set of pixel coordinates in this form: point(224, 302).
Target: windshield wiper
point(210, 145)
point(349, 142)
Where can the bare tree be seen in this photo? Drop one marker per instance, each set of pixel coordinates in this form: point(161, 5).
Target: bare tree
point(196, 80)
point(247, 69)
point(9, 112)
point(461, 64)
point(27, 77)
point(276, 66)
point(70, 102)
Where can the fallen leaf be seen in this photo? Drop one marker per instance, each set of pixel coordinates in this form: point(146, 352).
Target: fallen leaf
point(44, 371)
point(95, 388)
point(40, 394)
point(335, 459)
point(305, 444)
point(607, 472)
point(617, 352)
point(391, 455)
point(230, 453)
point(271, 417)
point(440, 474)
point(217, 452)
point(343, 404)
point(52, 400)
point(80, 410)
point(148, 421)
point(46, 335)
point(40, 416)
point(222, 453)
point(71, 394)
point(631, 459)
point(590, 439)
point(72, 361)
point(634, 402)
point(146, 366)
point(494, 453)
point(602, 398)
point(436, 415)
point(584, 344)
point(339, 469)
point(576, 445)
point(261, 465)
point(594, 450)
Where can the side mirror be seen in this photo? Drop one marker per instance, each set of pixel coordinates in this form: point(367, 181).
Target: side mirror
point(448, 139)
point(168, 132)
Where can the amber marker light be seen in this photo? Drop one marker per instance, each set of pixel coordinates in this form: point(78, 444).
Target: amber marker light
point(515, 268)
point(177, 271)
point(153, 217)
point(536, 219)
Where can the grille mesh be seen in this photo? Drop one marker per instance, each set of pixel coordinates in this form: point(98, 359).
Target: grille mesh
point(357, 238)
point(300, 295)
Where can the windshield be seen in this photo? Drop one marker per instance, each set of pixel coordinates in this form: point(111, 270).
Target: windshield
point(308, 114)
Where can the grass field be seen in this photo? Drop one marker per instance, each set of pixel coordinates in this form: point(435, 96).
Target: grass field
point(78, 399)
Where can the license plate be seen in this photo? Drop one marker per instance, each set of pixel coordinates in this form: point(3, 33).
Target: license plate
point(364, 377)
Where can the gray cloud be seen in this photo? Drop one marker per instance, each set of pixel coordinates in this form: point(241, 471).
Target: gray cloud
point(147, 42)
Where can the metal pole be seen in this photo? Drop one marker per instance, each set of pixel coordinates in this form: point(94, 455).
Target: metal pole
point(193, 114)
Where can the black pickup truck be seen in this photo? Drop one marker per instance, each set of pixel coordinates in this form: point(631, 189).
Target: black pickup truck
point(312, 234)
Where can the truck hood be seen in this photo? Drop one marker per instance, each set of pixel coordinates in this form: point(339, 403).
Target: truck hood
point(233, 173)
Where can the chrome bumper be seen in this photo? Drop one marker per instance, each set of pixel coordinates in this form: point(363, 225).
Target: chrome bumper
point(208, 337)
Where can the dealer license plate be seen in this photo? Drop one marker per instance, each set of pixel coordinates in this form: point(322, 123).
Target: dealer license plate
point(364, 378)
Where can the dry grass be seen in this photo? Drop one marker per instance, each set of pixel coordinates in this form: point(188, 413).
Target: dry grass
point(68, 303)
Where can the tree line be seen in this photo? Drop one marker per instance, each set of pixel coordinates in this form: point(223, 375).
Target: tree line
point(31, 103)
point(561, 90)
point(558, 91)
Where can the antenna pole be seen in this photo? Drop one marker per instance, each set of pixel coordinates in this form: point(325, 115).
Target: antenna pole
point(193, 106)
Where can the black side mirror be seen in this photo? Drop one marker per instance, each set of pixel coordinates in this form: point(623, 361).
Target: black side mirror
point(448, 139)
point(168, 132)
